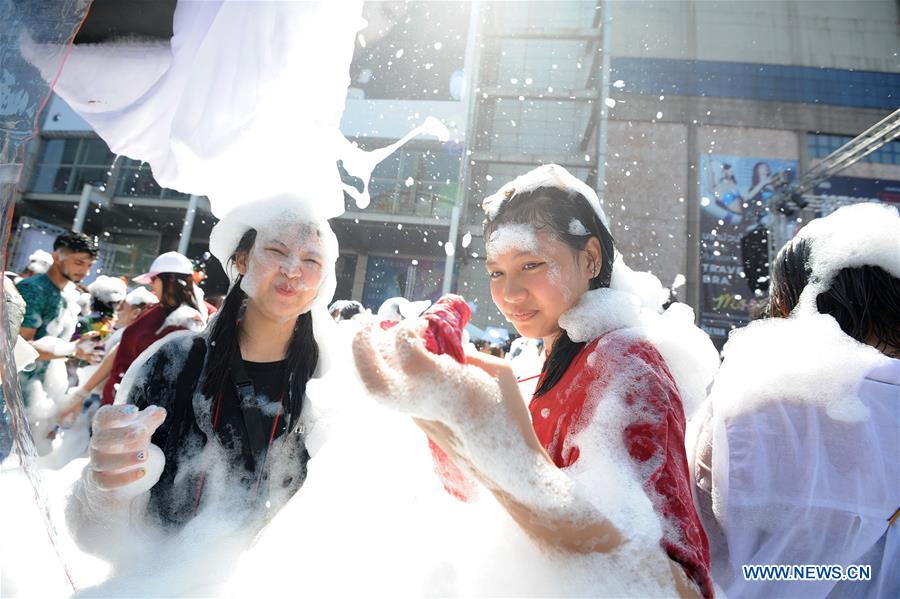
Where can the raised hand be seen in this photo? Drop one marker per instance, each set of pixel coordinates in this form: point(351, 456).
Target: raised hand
point(121, 452)
point(476, 415)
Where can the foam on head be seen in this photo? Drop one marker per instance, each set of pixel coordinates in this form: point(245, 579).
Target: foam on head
point(109, 290)
point(141, 296)
point(292, 219)
point(289, 248)
point(576, 227)
point(866, 234)
point(526, 238)
point(507, 237)
point(548, 175)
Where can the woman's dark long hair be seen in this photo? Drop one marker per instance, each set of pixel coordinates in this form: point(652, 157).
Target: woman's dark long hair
point(178, 290)
point(756, 176)
point(553, 209)
point(864, 300)
point(302, 355)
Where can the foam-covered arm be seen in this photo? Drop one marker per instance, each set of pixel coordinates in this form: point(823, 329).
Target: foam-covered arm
point(109, 501)
point(52, 348)
point(102, 521)
point(476, 415)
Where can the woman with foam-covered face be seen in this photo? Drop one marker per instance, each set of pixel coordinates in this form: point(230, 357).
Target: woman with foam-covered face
point(233, 392)
point(535, 277)
point(282, 271)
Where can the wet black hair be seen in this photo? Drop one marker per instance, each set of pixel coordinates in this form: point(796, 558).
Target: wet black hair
point(302, 355)
point(104, 308)
point(350, 310)
point(178, 290)
point(552, 209)
point(864, 300)
point(76, 243)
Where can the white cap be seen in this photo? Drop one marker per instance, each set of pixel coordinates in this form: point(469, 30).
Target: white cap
point(172, 262)
point(39, 262)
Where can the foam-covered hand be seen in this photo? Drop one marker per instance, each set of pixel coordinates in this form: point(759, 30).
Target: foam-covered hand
point(122, 458)
point(74, 400)
point(89, 348)
point(475, 413)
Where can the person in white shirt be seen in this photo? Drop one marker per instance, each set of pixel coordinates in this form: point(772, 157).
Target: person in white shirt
point(796, 458)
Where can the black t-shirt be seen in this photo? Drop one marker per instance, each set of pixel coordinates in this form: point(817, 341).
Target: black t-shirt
point(169, 379)
point(232, 430)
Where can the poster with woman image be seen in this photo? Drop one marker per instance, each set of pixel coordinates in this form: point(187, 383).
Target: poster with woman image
point(735, 224)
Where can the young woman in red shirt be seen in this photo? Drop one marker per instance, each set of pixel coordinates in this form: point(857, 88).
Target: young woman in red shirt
point(607, 412)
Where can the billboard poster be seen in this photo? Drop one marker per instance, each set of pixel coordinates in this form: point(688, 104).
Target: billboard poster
point(735, 223)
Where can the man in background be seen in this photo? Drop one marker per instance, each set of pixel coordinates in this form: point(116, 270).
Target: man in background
point(73, 256)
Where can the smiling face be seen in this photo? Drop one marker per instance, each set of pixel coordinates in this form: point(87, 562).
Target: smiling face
point(535, 277)
point(283, 270)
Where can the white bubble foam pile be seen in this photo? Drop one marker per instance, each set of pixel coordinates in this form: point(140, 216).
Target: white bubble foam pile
point(634, 301)
point(109, 290)
point(548, 175)
point(852, 236)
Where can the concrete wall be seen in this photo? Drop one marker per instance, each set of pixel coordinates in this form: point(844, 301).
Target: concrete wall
point(646, 197)
point(861, 34)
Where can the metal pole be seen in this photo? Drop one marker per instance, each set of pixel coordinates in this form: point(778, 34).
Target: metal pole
point(470, 98)
point(603, 121)
point(188, 226)
point(451, 260)
point(83, 204)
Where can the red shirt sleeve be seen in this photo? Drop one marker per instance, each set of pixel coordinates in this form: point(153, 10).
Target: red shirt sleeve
point(661, 440)
point(654, 439)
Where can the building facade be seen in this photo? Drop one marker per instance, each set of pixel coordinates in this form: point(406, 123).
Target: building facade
point(681, 113)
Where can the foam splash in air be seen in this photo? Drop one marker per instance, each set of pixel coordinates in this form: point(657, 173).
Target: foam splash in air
point(361, 163)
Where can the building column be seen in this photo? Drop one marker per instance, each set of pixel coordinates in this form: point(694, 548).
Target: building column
point(451, 257)
point(359, 277)
point(692, 272)
point(188, 227)
point(83, 204)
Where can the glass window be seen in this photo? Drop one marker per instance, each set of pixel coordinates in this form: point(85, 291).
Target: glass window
point(95, 152)
point(135, 179)
point(821, 145)
point(415, 182)
point(761, 82)
point(66, 165)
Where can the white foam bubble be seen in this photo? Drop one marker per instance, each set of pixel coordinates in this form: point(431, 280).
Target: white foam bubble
point(852, 236)
point(140, 296)
point(508, 237)
point(548, 175)
point(109, 290)
point(805, 359)
point(635, 301)
point(576, 227)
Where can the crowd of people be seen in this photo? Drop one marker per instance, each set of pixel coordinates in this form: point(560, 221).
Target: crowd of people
point(785, 453)
point(73, 338)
